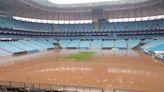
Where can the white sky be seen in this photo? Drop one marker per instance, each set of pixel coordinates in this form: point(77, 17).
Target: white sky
point(77, 1)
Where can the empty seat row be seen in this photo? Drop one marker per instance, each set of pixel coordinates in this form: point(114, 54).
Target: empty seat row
point(156, 46)
point(10, 23)
point(121, 44)
point(11, 47)
point(21, 25)
point(74, 44)
point(85, 44)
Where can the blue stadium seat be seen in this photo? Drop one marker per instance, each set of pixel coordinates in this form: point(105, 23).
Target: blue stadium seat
point(120, 44)
point(96, 44)
point(3, 52)
point(64, 43)
point(108, 44)
point(85, 44)
point(74, 44)
point(133, 43)
point(21, 25)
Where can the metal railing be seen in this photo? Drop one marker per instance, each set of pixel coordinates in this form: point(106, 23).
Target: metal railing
point(63, 88)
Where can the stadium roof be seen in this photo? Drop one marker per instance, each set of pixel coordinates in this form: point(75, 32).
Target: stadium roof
point(78, 1)
point(84, 3)
point(111, 9)
point(92, 1)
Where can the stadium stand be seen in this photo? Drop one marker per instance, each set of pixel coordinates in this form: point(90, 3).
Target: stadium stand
point(132, 26)
point(21, 25)
point(35, 46)
point(159, 47)
point(108, 44)
point(154, 46)
point(162, 55)
point(132, 43)
point(120, 44)
point(64, 43)
point(85, 44)
point(14, 47)
point(74, 27)
point(96, 44)
point(105, 26)
point(47, 44)
point(146, 41)
point(74, 44)
point(3, 53)
point(149, 45)
point(10, 48)
point(22, 46)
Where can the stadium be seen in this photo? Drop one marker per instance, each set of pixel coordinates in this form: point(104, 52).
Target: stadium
point(81, 45)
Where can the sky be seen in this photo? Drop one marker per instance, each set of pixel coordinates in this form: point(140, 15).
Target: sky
point(77, 1)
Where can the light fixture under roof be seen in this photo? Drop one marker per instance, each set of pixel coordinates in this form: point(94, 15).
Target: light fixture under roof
point(79, 1)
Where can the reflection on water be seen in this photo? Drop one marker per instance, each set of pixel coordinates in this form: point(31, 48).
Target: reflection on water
point(128, 71)
point(67, 52)
point(21, 58)
point(100, 52)
point(63, 69)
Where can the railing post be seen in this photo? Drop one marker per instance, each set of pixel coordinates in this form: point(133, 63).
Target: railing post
point(63, 87)
point(102, 90)
point(10, 84)
point(24, 84)
point(76, 88)
point(39, 85)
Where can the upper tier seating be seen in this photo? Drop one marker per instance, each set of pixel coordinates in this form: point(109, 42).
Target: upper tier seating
point(132, 26)
point(21, 25)
point(74, 27)
point(103, 26)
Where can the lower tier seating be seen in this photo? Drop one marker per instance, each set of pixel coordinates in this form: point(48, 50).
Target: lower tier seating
point(85, 44)
point(156, 46)
point(120, 44)
point(133, 43)
point(108, 44)
point(21, 46)
point(74, 44)
point(64, 43)
point(96, 44)
point(3, 52)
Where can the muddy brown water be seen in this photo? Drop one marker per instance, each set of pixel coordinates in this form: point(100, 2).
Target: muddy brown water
point(123, 69)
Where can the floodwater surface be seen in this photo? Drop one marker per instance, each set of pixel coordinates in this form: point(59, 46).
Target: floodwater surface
point(123, 69)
